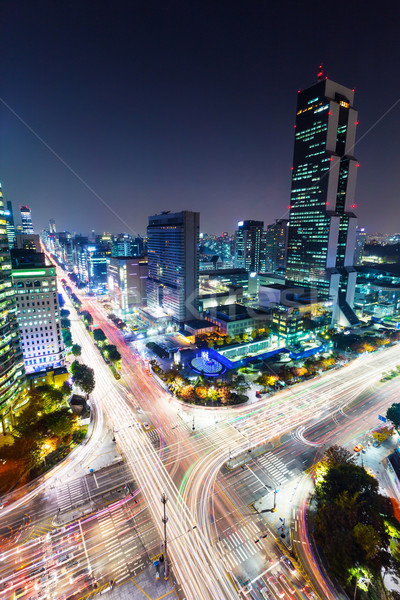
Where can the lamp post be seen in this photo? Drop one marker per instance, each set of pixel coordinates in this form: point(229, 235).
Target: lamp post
point(164, 519)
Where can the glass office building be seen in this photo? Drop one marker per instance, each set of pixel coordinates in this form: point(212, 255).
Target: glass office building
point(12, 374)
point(322, 225)
point(173, 264)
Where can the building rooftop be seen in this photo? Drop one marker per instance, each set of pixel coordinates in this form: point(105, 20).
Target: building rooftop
point(234, 312)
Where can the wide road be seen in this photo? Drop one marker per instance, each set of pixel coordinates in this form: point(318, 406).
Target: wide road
point(194, 461)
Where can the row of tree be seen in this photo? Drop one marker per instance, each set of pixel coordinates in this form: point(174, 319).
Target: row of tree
point(109, 351)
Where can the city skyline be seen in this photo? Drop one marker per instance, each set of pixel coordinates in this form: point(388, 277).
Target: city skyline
point(204, 123)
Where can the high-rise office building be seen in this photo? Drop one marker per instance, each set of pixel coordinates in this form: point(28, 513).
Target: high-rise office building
point(173, 265)
point(361, 238)
point(322, 226)
point(12, 375)
point(10, 226)
point(26, 219)
point(127, 279)
point(38, 311)
point(250, 246)
point(276, 239)
point(52, 226)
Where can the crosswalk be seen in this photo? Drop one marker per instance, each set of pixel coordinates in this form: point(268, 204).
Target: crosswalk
point(239, 545)
point(70, 495)
point(276, 467)
point(108, 524)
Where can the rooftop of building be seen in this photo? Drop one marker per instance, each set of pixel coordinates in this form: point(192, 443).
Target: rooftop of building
point(22, 259)
point(234, 312)
point(222, 272)
point(198, 324)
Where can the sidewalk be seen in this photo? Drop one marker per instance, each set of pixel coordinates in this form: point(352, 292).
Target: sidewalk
point(143, 586)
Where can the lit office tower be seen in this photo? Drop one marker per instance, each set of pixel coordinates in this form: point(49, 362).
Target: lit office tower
point(250, 246)
point(276, 239)
point(26, 219)
point(52, 226)
point(173, 265)
point(38, 311)
point(12, 375)
point(10, 226)
point(322, 226)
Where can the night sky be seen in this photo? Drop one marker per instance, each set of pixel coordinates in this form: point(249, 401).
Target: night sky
point(188, 104)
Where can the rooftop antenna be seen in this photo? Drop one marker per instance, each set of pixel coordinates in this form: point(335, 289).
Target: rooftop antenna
point(320, 75)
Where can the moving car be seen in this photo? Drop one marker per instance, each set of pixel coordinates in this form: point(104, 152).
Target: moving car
point(286, 585)
point(288, 564)
point(358, 448)
point(146, 425)
point(82, 574)
point(273, 584)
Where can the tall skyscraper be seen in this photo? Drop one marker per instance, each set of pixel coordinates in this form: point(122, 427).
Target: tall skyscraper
point(26, 219)
point(322, 225)
point(276, 239)
point(10, 226)
point(173, 264)
point(12, 375)
point(250, 246)
point(52, 226)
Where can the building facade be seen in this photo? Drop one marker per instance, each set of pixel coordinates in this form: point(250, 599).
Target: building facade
point(38, 311)
point(322, 225)
point(26, 219)
point(250, 246)
point(172, 248)
point(127, 278)
point(10, 225)
point(276, 239)
point(12, 375)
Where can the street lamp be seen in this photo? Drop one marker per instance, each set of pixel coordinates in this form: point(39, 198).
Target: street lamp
point(164, 519)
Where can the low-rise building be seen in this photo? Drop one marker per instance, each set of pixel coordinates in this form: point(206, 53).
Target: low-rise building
point(236, 319)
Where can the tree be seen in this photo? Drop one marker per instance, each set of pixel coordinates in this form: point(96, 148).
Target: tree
point(87, 317)
point(245, 336)
point(393, 414)
point(228, 339)
point(67, 337)
point(112, 353)
point(76, 350)
point(83, 377)
point(64, 312)
point(238, 339)
point(336, 455)
point(368, 539)
point(253, 334)
point(65, 323)
point(99, 335)
point(220, 342)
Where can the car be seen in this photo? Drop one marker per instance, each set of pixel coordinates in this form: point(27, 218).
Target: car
point(81, 574)
point(309, 593)
point(273, 584)
point(20, 592)
point(358, 448)
point(146, 425)
point(286, 585)
point(265, 594)
point(63, 558)
point(288, 564)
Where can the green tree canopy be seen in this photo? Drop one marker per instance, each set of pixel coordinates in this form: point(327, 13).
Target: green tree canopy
point(64, 312)
point(83, 377)
point(112, 353)
point(99, 335)
point(393, 414)
point(65, 323)
point(76, 350)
